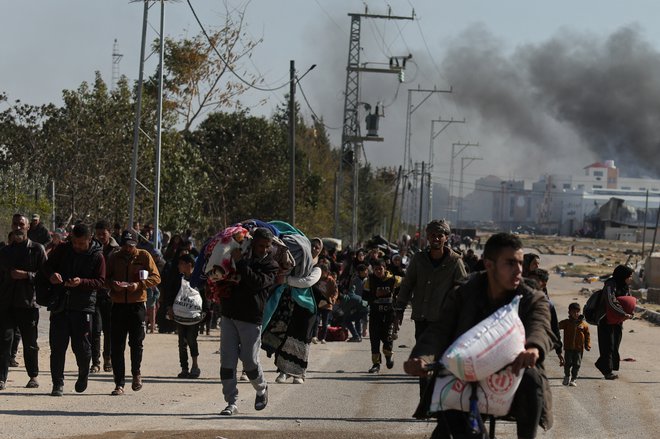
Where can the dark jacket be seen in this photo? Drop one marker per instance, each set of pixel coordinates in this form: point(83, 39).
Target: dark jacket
point(39, 234)
point(468, 304)
point(425, 285)
point(109, 249)
point(88, 266)
point(29, 256)
point(246, 299)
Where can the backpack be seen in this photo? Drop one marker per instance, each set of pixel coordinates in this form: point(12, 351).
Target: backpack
point(594, 309)
point(187, 308)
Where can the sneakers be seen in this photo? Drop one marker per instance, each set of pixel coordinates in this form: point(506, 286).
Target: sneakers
point(81, 383)
point(119, 390)
point(2, 385)
point(195, 372)
point(375, 368)
point(355, 340)
point(315, 340)
point(298, 380)
point(57, 391)
point(389, 362)
point(611, 376)
point(261, 401)
point(281, 378)
point(322, 341)
point(244, 377)
point(32, 384)
point(231, 409)
point(566, 381)
point(13, 362)
point(573, 382)
point(183, 374)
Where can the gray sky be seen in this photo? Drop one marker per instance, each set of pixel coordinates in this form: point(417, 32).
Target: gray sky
point(538, 81)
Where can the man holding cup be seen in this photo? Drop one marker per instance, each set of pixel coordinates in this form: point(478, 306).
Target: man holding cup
point(130, 272)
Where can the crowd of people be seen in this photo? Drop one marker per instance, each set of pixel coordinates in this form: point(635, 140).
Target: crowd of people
point(105, 287)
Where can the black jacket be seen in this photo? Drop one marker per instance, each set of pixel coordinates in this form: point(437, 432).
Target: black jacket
point(246, 300)
point(88, 266)
point(29, 256)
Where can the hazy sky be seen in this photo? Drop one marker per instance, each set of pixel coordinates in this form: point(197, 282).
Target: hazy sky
point(545, 86)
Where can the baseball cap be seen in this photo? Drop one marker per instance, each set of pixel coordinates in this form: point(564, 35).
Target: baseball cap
point(128, 237)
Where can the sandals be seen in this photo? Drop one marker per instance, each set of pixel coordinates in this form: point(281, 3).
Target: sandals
point(119, 390)
point(137, 383)
point(95, 368)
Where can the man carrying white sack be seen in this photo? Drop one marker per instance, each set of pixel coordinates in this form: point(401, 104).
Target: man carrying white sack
point(469, 304)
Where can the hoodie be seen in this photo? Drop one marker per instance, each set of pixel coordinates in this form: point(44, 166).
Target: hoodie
point(20, 293)
point(576, 334)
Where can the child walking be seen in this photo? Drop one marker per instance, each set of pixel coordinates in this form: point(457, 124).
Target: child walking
point(576, 339)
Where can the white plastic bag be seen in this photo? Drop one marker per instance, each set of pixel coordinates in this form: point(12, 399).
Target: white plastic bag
point(494, 393)
point(187, 308)
point(489, 346)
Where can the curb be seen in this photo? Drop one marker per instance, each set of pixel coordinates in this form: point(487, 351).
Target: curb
point(651, 316)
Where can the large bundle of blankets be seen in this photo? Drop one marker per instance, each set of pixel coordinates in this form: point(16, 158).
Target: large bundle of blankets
point(290, 312)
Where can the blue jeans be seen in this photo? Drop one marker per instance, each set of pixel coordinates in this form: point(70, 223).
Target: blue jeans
point(323, 317)
point(353, 323)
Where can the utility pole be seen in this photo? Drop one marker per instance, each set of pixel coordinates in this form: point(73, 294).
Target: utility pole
point(116, 58)
point(351, 139)
point(646, 212)
point(292, 143)
point(432, 156)
point(396, 193)
point(421, 205)
point(407, 156)
point(451, 208)
point(460, 186)
point(159, 125)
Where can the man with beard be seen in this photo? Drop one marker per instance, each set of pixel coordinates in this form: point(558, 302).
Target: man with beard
point(479, 297)
point(130, 272)
point(431, 274)
point(77, 271)
point(19, 262)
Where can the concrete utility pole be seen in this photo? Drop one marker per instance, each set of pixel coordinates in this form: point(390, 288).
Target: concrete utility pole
point(432, 157)
point(460, 186)
point(451, 208)
point(407, 156)
point(351, 139)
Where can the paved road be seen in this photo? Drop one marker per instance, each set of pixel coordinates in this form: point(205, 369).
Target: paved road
point(339, 400)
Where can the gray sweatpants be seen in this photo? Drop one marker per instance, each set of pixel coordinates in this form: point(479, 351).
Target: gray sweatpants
point(239, 340)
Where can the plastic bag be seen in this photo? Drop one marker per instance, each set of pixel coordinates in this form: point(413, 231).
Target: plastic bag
point(489, 346)
point(187, 308)
point(495, 393)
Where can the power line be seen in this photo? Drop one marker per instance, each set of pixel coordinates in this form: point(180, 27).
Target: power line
point(224, 61)
point(314, 115)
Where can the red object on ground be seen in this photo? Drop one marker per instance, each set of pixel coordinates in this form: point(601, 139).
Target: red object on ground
point(336, 333)
point(628, 303)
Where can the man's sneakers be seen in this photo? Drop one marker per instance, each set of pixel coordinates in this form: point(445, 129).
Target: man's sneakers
point(32, 384)
point(389, 362)
point(315, 340)
point(261, 401)
point(611, 376)
point(244, 377)
point(281, 378)
point(57, 390)
point(355, 340)
point(13, 362)
point(230, 410)
point(566, 381)
point(573, 382)
point(2, 385)
point(136, 385)
point(81, 383)
point(375, 368)
point(298, 380)
point(183, 374)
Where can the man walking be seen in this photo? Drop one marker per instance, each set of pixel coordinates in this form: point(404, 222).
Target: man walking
point(431, 274)
point(77, 271)
point(19, 262)
point(242, 313)
point(130, 272)
point(38, 232)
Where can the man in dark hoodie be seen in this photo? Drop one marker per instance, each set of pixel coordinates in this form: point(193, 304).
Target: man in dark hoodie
point(76, 270)
point(19, 262)
point(242, 314)
point(101, 322)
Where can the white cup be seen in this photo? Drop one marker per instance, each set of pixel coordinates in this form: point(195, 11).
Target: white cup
point(143, 274)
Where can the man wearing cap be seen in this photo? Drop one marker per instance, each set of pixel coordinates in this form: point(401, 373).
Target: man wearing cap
point(130, 272)
point(38, 232)
point(19, 263)
point(431, 274)
point(242, 313)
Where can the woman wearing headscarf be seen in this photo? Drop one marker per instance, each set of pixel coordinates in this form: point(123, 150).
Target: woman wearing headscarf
point(619, 307)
